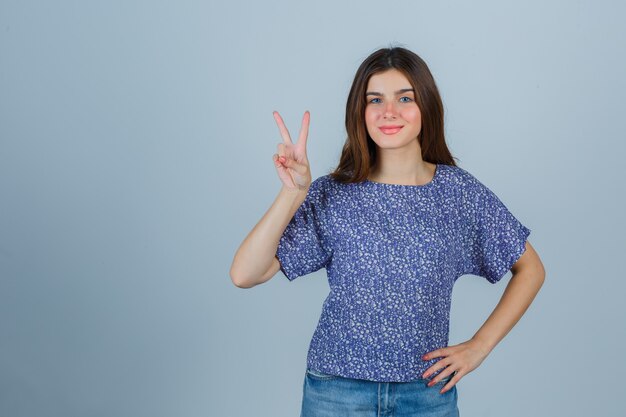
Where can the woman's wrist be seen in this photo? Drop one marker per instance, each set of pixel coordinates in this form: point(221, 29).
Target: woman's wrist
point(295, 192)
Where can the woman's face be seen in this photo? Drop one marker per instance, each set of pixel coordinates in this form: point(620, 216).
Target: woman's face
point(391, 102)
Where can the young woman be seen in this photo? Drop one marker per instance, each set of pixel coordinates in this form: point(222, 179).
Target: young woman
point(394, 225)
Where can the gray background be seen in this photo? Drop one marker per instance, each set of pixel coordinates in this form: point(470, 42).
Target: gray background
point(136, 143)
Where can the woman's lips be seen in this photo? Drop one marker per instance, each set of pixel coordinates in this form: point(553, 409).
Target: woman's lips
point(390, 130)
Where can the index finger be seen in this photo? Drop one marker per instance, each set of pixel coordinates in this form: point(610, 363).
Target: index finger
point(283, 129)
point(304, 130)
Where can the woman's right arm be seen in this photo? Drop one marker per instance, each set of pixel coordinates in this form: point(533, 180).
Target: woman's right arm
point(255, 261)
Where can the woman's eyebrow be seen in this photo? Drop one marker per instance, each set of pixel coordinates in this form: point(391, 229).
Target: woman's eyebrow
point(403, 90)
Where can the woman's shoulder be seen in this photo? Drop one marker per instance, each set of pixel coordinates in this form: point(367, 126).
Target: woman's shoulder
point(333, 194)
point(462, 179)
point(319, 189)
point(457, 174)
point(320, 184)
point(327, 182)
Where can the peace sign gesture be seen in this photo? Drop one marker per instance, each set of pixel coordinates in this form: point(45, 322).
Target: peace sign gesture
point(291, 162)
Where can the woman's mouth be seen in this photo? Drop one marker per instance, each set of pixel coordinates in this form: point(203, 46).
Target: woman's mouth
point(390, 130)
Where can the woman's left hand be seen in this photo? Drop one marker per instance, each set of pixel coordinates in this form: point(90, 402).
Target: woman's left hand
point(462, 358)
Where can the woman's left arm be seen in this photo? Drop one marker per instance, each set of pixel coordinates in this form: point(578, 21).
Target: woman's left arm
point(528, 277)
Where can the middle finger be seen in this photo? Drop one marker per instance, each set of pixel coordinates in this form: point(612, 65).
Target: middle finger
point(283, 129)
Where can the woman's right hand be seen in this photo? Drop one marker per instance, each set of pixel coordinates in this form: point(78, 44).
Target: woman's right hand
point(291, 161)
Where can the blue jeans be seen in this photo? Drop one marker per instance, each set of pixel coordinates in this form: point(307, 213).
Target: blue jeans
point(329, 396)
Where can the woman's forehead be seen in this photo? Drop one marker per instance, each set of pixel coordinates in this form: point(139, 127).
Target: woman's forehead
point(390, 81)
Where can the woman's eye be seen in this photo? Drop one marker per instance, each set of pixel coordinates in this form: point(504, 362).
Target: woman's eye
point(408, 100)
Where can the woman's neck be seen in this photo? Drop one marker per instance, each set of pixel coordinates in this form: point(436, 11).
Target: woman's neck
point(405, 173)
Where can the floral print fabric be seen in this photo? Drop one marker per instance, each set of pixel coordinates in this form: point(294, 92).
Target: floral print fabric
point(392, 254)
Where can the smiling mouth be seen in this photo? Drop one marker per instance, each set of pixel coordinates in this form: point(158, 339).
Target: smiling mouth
point(390, 130)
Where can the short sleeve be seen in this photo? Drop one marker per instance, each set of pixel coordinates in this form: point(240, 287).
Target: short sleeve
point(497, 239)
point(302, 248)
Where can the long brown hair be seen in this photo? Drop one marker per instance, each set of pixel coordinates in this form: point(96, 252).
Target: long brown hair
point(359, 151)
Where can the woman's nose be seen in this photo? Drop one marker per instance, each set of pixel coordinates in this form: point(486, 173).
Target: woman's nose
point(390, 109)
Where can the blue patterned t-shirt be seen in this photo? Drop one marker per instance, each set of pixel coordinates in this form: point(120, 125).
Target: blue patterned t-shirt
point(392, 254)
